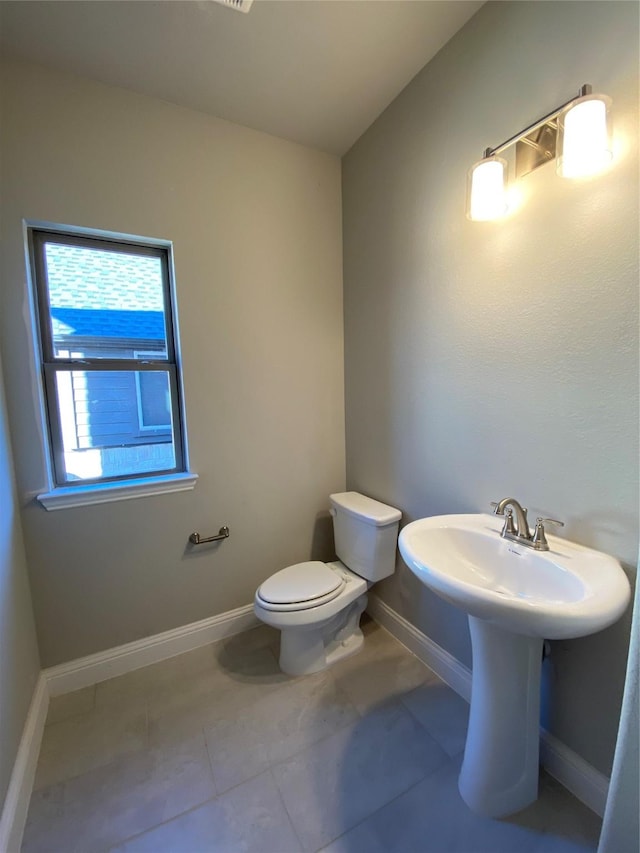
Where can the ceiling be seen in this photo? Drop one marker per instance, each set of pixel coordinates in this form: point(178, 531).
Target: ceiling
point(317, 72)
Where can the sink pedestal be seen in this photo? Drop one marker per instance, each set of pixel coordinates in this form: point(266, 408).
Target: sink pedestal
point(499, 773)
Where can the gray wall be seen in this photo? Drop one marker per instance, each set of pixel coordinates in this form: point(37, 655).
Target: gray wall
point(19, 662)
point(256, 227)
point(494, 359)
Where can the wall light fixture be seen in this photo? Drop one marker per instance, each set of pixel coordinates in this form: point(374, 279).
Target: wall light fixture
point(577, 134)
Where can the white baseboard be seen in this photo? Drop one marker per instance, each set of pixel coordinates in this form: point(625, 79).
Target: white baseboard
point(92, 669)
point(16, 804)
point(581, 778)
point(584, 781)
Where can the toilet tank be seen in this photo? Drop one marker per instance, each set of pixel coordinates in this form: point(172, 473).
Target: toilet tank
point(366, 534)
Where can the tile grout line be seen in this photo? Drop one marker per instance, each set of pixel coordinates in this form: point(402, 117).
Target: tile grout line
point(426, 774)
point(162, 823)
point(119, 757)
point(210, 760)
point(286, 810)
point(426, 729)
point(304, 747)
point(280, 761)
point(360, 715)
point(388, 803)
point(176, 816)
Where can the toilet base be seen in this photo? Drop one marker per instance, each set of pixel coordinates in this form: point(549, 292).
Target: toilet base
point(312, 648)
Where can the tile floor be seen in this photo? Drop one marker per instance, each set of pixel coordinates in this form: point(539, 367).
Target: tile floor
point(216, 751)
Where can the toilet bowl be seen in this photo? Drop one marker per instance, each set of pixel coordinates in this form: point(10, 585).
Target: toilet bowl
point(317, 606)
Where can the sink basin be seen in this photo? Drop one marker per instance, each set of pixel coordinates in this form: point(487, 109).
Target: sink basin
point(515, 598)
point(568, 591)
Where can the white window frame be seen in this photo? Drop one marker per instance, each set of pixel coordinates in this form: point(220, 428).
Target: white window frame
point(62, 495)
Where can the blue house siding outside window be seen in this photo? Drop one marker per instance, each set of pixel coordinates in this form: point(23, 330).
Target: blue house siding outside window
point(108, 396)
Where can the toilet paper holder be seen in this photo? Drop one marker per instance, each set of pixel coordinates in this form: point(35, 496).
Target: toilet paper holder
point(196, 539)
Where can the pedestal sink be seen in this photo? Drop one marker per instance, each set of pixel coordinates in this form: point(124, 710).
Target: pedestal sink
point(515, 598)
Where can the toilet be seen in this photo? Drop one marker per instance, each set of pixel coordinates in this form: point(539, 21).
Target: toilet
point(317, 606)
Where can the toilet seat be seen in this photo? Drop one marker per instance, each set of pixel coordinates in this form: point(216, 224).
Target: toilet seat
point(300, 587)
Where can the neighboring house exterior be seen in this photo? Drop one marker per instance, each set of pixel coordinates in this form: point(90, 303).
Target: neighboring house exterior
point(115, 408)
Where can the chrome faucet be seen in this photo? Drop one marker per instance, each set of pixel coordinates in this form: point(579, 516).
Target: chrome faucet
point(519, 532)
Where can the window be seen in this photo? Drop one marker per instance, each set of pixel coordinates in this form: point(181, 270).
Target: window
point(109, 364)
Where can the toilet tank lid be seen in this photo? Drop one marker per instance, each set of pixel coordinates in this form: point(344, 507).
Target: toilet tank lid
point(366, 508)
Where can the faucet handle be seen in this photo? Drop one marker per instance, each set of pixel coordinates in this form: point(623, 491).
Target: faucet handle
point(539, 539)
point(509, 526)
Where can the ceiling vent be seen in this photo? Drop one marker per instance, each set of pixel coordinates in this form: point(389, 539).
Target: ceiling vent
point(238, 5)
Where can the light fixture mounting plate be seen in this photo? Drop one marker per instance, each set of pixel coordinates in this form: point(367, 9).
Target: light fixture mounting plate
point(537, 148)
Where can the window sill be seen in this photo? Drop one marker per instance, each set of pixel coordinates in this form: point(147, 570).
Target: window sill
point(124, 490)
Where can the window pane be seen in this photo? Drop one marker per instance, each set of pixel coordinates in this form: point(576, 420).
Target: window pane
point(114, 423)
point(105, 304)
point(154, 400)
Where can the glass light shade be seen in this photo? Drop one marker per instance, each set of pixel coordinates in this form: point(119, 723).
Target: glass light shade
point(486, 193)
point(584, 142)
